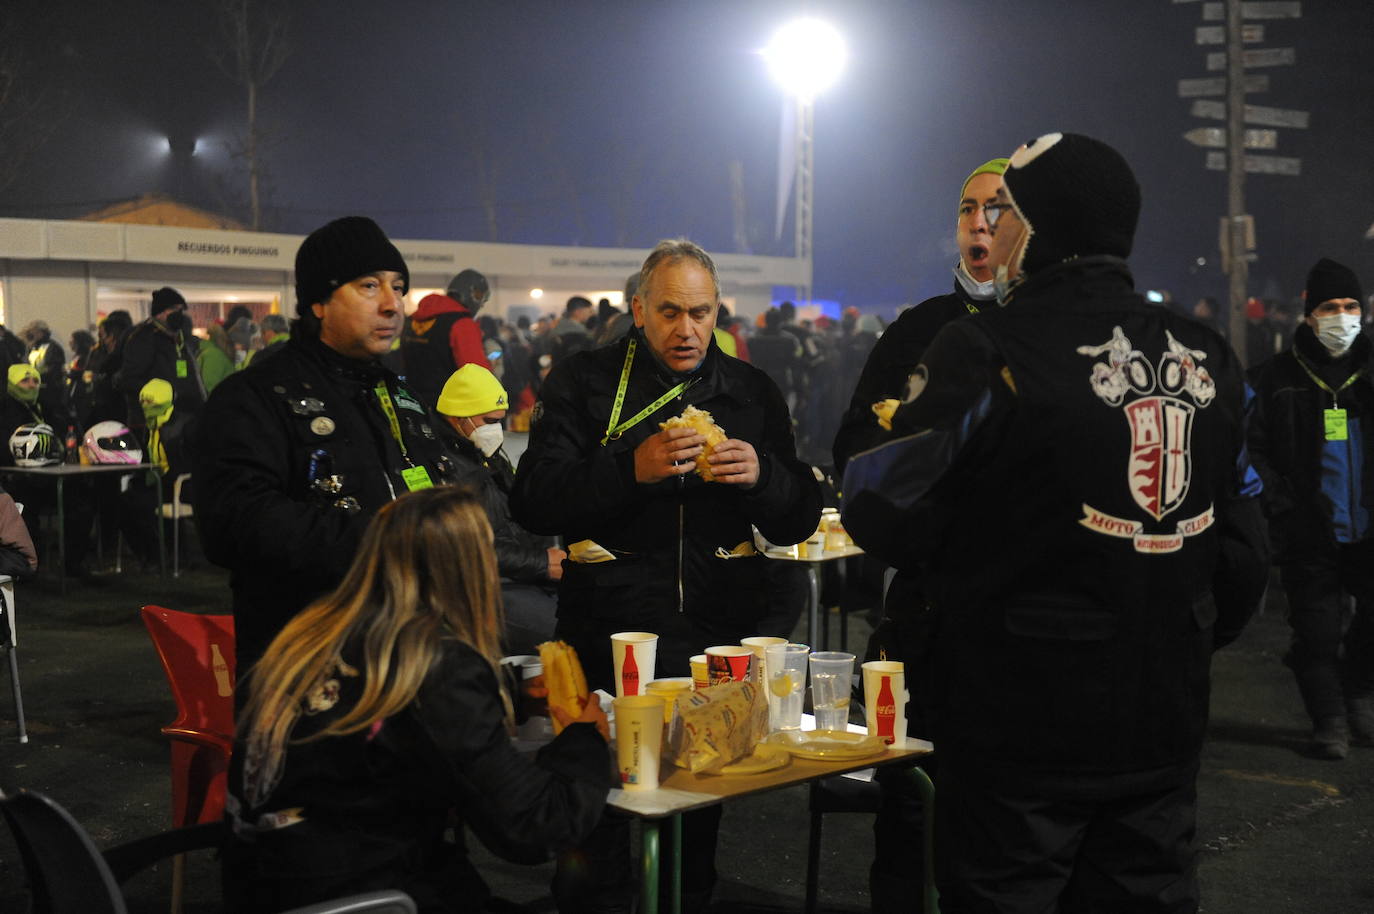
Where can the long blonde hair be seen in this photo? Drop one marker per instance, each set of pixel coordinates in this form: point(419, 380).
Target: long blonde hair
point(425, 570)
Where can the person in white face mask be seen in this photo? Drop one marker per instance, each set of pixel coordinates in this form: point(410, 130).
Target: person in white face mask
point(1312, 440)
point(474, 403)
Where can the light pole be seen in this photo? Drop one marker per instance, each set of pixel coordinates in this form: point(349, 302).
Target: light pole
point(805, 57)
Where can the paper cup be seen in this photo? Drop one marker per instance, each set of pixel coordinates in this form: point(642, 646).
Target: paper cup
point(701, 676)
point(759, 645)
point(726, 662)
point(669, 690)
point(885, 700)
point(633, 655)
point(528, 665)
point(638, 740)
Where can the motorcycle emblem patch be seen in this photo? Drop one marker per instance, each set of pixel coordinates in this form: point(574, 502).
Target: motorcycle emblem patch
point(1159, 402)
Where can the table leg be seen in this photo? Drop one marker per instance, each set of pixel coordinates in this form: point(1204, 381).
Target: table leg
point(814, 618)
point(675, 875)
point(651, 865)
point(161, 543)
point(931, 901)
point(648, 883)
point(61, 540)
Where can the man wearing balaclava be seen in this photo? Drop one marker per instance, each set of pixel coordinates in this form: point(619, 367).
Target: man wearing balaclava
point(23, 405)
point(1069, 479)
point(1312, 440)
point(161, 347)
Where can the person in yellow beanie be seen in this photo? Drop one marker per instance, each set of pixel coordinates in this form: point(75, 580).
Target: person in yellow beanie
point(166, 431)
point(474, 403)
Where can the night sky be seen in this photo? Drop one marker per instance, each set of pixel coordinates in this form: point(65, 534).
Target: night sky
point(615, 123)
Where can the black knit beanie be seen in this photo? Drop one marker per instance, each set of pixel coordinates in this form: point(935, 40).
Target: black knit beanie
point(340, 252)
point(1329, 280)
point(1077, 196)
point(165, 298)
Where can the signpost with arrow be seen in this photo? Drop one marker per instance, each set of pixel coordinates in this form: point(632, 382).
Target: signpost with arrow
point(1226, 145)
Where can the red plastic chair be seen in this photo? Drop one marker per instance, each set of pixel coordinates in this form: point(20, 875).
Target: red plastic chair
point(197, 653)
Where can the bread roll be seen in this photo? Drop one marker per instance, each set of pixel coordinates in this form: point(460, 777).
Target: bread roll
point(700, 421)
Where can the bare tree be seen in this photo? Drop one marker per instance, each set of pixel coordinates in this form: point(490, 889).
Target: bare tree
point(28, 112)
point(255, 43)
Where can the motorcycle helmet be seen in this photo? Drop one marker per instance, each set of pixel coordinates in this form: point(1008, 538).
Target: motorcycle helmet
point(34, 444)
point(111, 442)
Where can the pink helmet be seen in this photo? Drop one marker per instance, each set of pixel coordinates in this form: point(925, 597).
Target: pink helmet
point(112, 442)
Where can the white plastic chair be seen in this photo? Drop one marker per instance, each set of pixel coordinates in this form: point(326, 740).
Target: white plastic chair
point(9, 645)
point(176, 512)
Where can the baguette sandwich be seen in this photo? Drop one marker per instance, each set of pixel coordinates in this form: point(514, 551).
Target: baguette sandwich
point(565, 680)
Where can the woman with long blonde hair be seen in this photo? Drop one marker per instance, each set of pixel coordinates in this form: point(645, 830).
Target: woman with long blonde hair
point(377, 713)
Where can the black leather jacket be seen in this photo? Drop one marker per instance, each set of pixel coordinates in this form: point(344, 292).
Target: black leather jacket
point(1072, 484)
point(665, 536)
point(292, 457)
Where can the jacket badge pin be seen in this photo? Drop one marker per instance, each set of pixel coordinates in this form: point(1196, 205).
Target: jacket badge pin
point(322, 426)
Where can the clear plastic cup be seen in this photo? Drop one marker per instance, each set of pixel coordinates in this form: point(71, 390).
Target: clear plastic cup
point(786, 685)
point(832, 674)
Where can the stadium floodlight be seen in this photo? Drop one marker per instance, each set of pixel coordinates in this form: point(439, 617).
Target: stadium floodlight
point(805, 57)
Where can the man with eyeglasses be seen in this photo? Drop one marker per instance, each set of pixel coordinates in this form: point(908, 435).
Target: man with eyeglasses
point(899, 349)
point(1312, 437)
point(904, 631)
point(1070, 478)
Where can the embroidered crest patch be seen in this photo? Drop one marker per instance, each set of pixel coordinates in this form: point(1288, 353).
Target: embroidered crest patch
point(1160, 417)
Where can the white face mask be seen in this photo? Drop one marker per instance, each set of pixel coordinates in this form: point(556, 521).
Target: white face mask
point(488, 438)
point(1337, 331)
point(1001, 284)
point(978, 291)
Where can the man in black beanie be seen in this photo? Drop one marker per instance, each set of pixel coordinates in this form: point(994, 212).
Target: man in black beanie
point(1312, 440)
point(1069, 480)
point(161, 347)
point(442, 335)
point(295, 453)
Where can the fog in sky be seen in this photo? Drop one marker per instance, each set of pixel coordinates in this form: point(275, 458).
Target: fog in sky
point(617, 123)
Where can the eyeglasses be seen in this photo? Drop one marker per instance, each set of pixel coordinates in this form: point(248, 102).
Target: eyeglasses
point(992, 213)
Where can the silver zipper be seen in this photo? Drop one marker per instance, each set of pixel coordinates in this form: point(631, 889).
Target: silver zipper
point(681, 523)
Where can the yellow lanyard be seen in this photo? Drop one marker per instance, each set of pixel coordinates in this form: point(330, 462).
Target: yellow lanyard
point(613, 431)
point(384, 398)
point(1322, 384)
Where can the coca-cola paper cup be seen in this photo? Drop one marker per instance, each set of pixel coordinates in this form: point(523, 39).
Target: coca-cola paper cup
point(885, 700)
point(726, 662)
point(633, 655)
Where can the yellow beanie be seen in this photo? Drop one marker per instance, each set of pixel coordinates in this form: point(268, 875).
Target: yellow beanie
point(156, 392)
point(472, 391)
point(990, 167)
point(21, 370)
